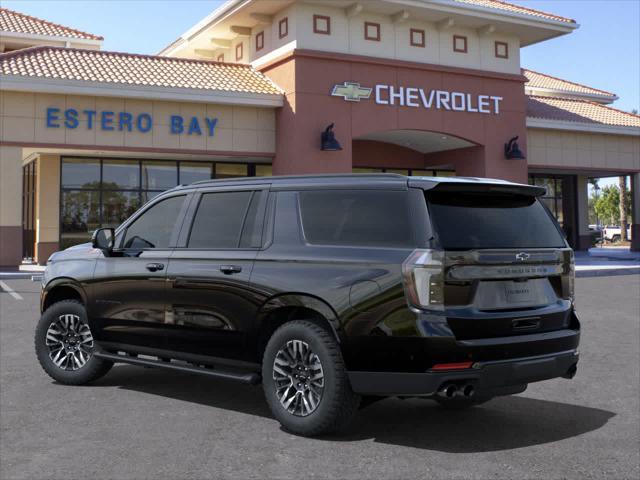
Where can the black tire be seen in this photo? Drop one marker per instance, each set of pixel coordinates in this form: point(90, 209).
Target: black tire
point(337, 404)
point(461, 403)
point(94, 367)
point(615, 238)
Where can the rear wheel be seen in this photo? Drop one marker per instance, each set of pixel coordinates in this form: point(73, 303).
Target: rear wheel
point(64, 345)
point(305, 380)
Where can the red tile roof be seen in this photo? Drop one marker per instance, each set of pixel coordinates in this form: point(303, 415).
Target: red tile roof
point(510, 7)
point(132, 69)
point(11, 21)
point(542, 80)
point(580, 111)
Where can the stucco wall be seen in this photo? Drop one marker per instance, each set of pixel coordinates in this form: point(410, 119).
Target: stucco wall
point(565, 149)
point(347, 36)
point(23, 119)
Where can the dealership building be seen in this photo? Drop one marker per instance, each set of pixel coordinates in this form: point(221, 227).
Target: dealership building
point(418, 87)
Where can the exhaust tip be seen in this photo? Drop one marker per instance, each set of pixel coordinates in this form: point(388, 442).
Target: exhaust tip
point(448, 390)
point(468, 390)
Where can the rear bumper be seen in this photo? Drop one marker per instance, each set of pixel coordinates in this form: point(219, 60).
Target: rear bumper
point(489, 378)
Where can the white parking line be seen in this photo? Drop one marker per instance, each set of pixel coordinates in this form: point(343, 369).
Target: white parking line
point(10, 291)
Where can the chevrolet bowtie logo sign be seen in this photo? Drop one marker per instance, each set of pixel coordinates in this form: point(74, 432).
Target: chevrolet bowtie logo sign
point(351, 91)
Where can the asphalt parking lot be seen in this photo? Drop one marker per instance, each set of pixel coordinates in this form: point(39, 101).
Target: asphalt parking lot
point(138, 423)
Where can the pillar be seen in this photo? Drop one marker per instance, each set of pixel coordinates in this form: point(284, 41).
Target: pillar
point(47, 207)
point(582, 204)
point(10, 206)
point(635, 212)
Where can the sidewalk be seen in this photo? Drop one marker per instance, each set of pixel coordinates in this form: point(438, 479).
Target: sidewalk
point(607, 261)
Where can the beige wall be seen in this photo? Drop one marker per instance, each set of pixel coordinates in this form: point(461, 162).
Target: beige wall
point(239, 129)
point(48, 200)
point(10, 186)
point(347, 36)
point(565, 149)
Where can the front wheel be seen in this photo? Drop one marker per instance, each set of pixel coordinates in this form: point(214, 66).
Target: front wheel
point(305, 381)
point(64, 345)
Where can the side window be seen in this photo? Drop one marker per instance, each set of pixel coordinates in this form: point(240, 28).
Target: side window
point(219, 219)
point(254, 222)
point(356, 217)
point(153, 229)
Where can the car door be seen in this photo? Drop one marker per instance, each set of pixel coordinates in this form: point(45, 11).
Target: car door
point(211, 303)
point(127, 299)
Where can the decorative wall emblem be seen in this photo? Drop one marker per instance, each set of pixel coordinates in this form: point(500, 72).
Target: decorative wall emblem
point(351, 91)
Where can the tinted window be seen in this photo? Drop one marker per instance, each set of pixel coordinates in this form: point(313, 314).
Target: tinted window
point(467, 221)
point(364, 218)
point(218, 221)
point(252, 231)
point(154, 227)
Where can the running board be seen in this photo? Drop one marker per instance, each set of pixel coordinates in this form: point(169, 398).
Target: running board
point(249, 378)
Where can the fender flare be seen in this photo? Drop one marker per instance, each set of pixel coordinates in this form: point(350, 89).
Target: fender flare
point(302, 300)
point(66, 282)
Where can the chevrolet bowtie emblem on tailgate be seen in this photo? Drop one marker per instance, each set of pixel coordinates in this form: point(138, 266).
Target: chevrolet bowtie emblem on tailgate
point(522, 256)
point(351, 91)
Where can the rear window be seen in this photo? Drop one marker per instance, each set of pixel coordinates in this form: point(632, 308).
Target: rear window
point(474, 220)
point(356, 217)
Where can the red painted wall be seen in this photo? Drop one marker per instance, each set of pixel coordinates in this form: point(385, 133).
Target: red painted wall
point(308, 78)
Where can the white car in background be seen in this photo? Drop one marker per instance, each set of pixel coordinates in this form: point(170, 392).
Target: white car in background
point(612, 233)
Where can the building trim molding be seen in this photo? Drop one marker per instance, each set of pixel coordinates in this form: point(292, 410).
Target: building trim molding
point(548, 124)
point(117, 148)
point(100, 89)
point(347, 57)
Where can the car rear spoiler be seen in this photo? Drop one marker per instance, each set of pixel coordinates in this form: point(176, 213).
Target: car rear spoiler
point(469, 184)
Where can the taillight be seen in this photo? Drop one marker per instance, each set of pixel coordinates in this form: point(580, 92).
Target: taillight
point(423, 274)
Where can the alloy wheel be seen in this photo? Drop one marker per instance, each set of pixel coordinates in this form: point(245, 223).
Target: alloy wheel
point(298, 377)
point(70, 342)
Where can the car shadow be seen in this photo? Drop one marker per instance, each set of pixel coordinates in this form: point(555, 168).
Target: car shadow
point(504, 423)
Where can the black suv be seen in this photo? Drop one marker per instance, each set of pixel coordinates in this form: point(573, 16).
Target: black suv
point(329, 290)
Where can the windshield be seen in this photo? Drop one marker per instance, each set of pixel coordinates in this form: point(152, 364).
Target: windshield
point(464, 221)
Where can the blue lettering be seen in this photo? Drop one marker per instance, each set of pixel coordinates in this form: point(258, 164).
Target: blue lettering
point(52, 116)
point(71, 118)
point(144, 122)
point(177, 124)
point(124, 120)
point(211, 125)
point(107, 121)
point(90, 116)
point(194, 126)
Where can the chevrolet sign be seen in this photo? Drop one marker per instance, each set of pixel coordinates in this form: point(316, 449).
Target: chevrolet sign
point(416, 97)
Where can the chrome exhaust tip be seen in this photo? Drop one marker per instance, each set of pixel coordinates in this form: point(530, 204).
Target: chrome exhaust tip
point(448, 390)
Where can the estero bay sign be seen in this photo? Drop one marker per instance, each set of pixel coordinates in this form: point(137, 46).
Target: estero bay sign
point(106, 120)
point(418, 97)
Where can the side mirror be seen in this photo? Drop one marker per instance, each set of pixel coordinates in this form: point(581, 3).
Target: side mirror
point(103, 239)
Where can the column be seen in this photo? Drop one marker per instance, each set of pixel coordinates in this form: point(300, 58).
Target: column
point(10, 206)
point(47, 207)
point(582, 204)
point(635, 210)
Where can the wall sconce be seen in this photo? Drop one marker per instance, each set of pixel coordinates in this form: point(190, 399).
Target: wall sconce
point(512, 150)
point(328, 142)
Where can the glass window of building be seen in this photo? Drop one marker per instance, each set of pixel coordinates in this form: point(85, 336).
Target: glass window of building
point(121, 174)
point(104, 192)
point(553, 197)
point(195, 171)
point(231, 170)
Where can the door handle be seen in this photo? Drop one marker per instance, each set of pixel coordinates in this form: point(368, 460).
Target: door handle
point(230, 269)
point(154, 267)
